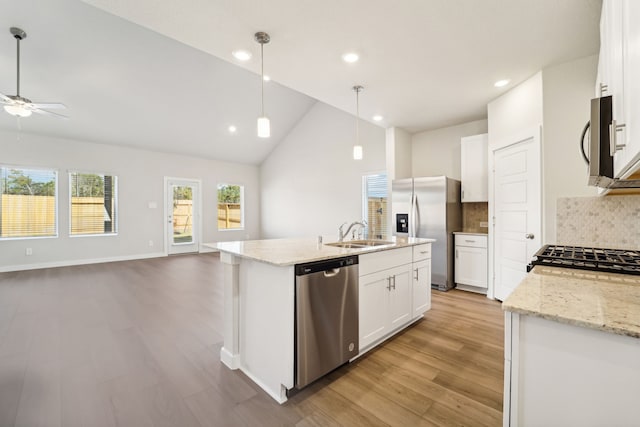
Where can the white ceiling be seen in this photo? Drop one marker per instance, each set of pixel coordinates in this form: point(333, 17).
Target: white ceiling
point(424, 64)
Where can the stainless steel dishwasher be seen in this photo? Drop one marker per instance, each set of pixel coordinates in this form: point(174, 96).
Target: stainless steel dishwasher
point(326, 317)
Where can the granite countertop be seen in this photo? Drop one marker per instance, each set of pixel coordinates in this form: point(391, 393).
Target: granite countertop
point(474, 232)
point(606, 301)
point(284, 252)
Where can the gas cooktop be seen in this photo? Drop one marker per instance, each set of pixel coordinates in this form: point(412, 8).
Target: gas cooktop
point(596, 259)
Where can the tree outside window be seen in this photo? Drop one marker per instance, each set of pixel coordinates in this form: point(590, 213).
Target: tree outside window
point(230, 210)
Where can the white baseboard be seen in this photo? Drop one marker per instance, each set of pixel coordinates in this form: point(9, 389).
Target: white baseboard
point(68, 263)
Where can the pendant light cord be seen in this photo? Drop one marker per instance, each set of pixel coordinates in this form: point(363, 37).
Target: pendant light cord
point(358, 116)
point(18, 67)
point(262, 75)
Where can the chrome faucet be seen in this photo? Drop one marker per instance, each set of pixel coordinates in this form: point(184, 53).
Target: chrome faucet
point(342, 233)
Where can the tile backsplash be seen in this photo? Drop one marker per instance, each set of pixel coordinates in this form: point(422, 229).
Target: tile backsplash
point(605, 222)
point(473, 214)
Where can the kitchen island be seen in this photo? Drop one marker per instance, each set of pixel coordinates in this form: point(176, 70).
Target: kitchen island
point(259, 299)
point(572, 349)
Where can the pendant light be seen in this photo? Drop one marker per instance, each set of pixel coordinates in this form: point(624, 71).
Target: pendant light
point(264, 127)
point(357, 148)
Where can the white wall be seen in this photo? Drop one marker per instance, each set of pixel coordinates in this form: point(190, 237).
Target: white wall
point(518, 110)
point(437, 152)
point(140, 181)
point(310, 183)
point(398, 152)
point(567, 90)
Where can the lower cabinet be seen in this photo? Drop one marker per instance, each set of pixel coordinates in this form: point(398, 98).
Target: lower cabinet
point(421, 276)
point(394, 290)
point(471, 262)
point(385, 303)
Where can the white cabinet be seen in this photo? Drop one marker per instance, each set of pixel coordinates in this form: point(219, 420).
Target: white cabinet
point(395, 289)
point(385, 303)
point(559, 374)
point(421, 272)
point(474, 168)
point(471, 262)
point(618, 68)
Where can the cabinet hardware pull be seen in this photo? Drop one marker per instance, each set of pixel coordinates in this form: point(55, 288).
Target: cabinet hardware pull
point(389, 283)
point(470, 241)
point(424, 252)
point(417, 275)
point(456, 253)
point(394, 281)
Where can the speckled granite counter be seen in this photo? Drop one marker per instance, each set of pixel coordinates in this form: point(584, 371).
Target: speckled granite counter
point(472, 232)
point(295, 251)
point(603, 301)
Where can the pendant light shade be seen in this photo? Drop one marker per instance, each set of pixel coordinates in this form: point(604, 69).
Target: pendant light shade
point(357, 148)
point(264, 126)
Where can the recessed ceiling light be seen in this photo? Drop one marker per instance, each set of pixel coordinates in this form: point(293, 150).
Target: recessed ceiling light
point(266, 78)
point(377, 118)
point(350, 57)
point(232, 129)
point(241, 55)
point(501, 83)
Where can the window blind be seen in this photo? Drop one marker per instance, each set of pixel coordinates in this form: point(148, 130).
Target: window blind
point(93, 204)
point(28, 202)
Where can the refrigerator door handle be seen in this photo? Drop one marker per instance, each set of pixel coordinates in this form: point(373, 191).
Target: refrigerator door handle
point(413, 231)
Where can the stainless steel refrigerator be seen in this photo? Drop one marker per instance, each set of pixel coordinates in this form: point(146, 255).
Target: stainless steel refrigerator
point(429, 207)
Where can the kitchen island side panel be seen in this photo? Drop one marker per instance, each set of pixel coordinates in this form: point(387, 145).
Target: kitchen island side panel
point(266, 329)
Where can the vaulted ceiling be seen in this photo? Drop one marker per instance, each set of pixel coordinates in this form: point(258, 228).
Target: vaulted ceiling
point(160, 75)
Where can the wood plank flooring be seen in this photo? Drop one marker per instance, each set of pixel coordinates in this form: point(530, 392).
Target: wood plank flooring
point(137, 344)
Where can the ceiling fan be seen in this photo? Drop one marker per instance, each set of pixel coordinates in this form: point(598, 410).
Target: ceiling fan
point(19, 106)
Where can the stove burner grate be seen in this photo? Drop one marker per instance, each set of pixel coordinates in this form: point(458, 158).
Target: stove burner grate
point(596, 259)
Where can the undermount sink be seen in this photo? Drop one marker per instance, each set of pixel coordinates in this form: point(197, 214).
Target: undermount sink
point(359, 244)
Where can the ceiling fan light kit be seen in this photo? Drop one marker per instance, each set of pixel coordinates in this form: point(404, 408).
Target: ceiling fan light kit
point(264, 126)
point(17, 105)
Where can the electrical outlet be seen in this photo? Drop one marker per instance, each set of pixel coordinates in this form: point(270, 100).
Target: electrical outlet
point(28, 251)
point(484, 224)
point(150, 242)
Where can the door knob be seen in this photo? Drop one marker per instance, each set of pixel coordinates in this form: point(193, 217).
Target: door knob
point(529, 236)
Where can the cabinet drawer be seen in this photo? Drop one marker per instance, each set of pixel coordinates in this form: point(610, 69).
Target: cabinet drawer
point(421, 252)
point(471, 240)
point(383, 260)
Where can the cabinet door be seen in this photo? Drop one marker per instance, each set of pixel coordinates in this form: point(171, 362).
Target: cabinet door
point(421, 287)
point(631, 12)
point(471, 266)
point(400, 310)
point(374, 296)
point(474, 168)
point(611, 72)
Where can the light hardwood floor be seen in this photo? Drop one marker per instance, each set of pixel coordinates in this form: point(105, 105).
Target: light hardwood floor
point(137, 344)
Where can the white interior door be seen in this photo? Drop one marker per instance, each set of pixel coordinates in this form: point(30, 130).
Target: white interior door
point(517, 220)
point(183, 216)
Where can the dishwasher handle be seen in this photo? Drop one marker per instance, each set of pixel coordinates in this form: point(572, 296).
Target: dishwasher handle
point(332, 272)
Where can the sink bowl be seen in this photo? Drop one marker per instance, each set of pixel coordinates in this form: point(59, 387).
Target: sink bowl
point(359, 244)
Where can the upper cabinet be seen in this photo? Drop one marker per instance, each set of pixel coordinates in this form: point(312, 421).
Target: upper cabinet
point(474, 168)
point(618, 68)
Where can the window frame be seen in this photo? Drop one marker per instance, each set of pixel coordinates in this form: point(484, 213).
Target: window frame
point(242, 207)
point(115, 204)
point(56, 198)
point(365, 202)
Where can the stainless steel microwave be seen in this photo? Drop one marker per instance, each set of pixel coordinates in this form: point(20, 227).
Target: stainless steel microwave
point(602, 129)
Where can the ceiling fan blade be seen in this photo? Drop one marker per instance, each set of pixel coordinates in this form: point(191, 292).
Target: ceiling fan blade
point(49, 113)
point(5, 99)
point(48, 105)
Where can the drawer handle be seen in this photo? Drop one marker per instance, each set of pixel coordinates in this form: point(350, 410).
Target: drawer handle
point(424, 252)
point(470, 241)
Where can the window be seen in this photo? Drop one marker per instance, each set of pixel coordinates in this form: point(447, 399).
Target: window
point(230, 211)
point(28, 202)
point(374, 205)
point(93, 204)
